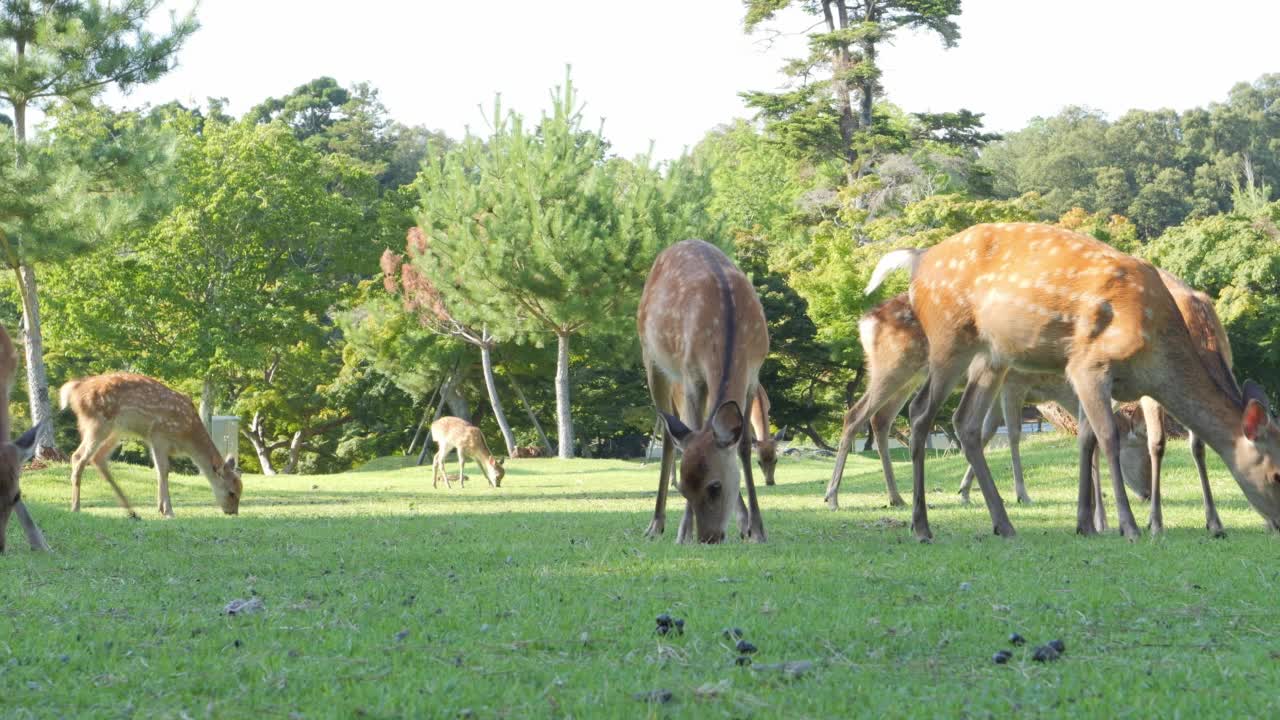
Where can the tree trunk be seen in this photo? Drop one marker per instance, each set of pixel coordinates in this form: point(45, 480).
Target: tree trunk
point(839, 65)
point(259, 443)
point(817, 439)
point(444, 396)
point(564, 419)
point(295, 449)
point(486, 361)
point(532, 418)
point(422, 424)
point(37, 375)
point(206, 404)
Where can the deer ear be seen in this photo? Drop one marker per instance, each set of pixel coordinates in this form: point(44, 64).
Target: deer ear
point(727, 424)
point(27, 442)
point(679, 431)
point(781, 434)
point(229, 465)
point(1255, 419)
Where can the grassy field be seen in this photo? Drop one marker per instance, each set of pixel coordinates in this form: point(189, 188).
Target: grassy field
point(384, 598)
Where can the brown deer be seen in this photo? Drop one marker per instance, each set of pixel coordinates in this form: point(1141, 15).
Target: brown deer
point(1043, 299)
point(702, 327)
point(13, 455)
point(896, 353)
point(766, 445)
point(115, 406)
point(453, 433)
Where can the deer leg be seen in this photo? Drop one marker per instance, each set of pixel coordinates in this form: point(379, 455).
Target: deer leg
point(462, 463)
point(755, 523)
point(1093, 387)
point(437, 465)
point(660, 390)
point(160, 456)
point(989, 426)
point(985, 379)
point(665, 470)
point(88, 445)
point(1155, 446)
point(941, 379)
point(100, 458)
point(851, 425)
point(881, 425)
point(34, 536)
point(1088, 490)
point(1013, 402)
point(1210, 510)
point(1099, 504)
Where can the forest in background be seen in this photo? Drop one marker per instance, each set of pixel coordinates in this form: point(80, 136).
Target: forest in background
point(332, 275)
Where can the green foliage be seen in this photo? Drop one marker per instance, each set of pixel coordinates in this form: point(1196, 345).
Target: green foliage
point(1156, 167)
point(1235, 258)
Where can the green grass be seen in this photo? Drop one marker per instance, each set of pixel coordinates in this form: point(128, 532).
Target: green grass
point(538, 600)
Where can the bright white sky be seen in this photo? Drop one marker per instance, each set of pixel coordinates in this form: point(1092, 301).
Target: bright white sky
point(670, 70)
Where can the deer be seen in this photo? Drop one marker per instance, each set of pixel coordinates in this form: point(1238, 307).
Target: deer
point(702, 327)
point(896, 353)
point(13, 455)
point(115, 406)
point(453, 433)
point(766, 445)
point(1037, 298)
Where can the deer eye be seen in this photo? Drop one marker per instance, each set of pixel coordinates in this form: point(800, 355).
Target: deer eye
point(1275, 478)
point(713, 490)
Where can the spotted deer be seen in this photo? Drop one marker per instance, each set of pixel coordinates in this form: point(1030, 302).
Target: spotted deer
point(1042, 299)
point(13, 454)
point(702, 327)
point(896, 353)
point(115, 406)
point(453, 433)
point(766, 445)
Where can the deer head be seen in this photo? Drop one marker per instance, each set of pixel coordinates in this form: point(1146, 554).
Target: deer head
point(229, 488)
point(13, 455)
point(495, 470)
point(709, 469)
point(767, 450)
point(1257, 457)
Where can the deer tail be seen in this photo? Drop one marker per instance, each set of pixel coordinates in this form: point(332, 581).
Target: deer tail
point(64, 394)
point(904, 259)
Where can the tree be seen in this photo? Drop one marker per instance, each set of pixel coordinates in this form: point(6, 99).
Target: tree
point(233, 287)
point(421, 297)
point(820, 116)
point(533, 234)
point(64, 51)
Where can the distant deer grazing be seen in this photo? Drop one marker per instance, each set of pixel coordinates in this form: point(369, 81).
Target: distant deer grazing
point(766, 445)
point(115, 406)
point(13, 455)
point(453, 433)
point(1042, 299)
point(702, 327)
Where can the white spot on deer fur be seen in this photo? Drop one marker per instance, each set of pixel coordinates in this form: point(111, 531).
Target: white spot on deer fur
point(1148, 313)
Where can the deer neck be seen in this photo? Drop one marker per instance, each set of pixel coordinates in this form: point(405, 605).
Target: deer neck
point(203, 453)
point(1208, 412)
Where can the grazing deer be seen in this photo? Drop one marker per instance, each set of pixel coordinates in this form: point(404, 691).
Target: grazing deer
point(766, 445)
point(702, 327)
point(114, 406)
point(896, 352)
point(1043, 299)
point(453, 433)
point(13, 455)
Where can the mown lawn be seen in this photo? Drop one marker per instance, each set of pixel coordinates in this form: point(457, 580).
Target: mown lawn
point(384, 598)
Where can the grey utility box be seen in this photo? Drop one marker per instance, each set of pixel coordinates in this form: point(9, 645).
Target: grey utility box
point(225, 432)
